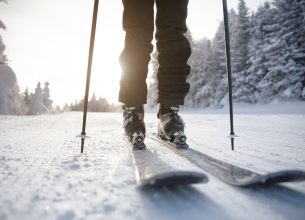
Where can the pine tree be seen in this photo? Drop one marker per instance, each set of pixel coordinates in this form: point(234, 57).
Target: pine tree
point(92, 105)
point(26, 101)
point(200, 92)
point(291, 18)
point(218, 68)
point(234, 43)
point(192, 61)
point(277, 52)
point(242, 37)
point(246, 85)
point(47, 103)
point(8, 84)
point(37, 105)
point(211, 86)
point(241, 31)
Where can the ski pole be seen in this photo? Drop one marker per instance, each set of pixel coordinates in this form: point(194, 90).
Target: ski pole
point(92, 37)
point(228, 58)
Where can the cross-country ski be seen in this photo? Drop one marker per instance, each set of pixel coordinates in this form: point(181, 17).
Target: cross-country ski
point(151, 171)
point(232, 174)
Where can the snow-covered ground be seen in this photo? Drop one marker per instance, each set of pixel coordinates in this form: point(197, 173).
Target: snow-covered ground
point(44, 176)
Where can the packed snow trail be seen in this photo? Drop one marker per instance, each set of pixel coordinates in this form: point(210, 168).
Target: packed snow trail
point(44, 176)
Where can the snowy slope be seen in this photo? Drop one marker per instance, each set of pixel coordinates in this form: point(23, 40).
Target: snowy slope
point(44, 176)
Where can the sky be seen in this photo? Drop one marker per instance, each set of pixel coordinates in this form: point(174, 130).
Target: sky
point(48, 40)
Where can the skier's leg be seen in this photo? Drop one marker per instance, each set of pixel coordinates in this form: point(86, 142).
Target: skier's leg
point(138, 23)
point(174, 51)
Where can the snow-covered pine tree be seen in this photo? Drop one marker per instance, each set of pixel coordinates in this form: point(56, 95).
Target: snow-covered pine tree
point(200, 92)
point(103, 105)
point(8, 88)
point(282, 53)
point(263, 21)
point(92, 104)
point(37, 105)
point(26, 101)
point(219, 82)
point(9, 91)
point(208, 72)
point(234, 44)
point(194, 71)
point(240, 32)
point(214, 86)
point(47, 102)
point(291, 18)
point(242, 37)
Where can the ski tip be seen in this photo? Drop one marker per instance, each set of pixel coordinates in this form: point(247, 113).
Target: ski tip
point(172, 179)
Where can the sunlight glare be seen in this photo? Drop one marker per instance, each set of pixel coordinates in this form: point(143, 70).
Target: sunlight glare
point(106, 70)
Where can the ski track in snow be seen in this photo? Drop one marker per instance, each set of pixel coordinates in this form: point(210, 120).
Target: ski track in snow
point(44, 176)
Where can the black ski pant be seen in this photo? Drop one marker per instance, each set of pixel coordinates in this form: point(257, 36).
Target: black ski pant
point(173, 51)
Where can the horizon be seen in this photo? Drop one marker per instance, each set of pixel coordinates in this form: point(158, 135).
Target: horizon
point(54, 48)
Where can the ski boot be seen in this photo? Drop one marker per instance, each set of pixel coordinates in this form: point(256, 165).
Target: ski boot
point(134, 126)
point(171, 126)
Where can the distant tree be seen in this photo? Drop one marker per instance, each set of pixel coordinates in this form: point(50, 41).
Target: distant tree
point(37, 105)
point(8, 87)
point(26, 101)
point(234, 42)
point(242, 31)
point(66, 108)
point(201, 52)
point(92, 105)
point(242, 37)
point(47, 103)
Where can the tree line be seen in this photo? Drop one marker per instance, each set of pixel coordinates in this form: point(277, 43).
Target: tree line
point(94, 105)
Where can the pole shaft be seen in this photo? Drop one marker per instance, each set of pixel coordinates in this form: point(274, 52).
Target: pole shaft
point(228, 58)
point(92, 38)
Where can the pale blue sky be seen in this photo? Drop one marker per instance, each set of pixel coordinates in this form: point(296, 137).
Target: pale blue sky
point(48, 40)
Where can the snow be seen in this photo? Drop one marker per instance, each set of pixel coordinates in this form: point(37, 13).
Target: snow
point(44, 176)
